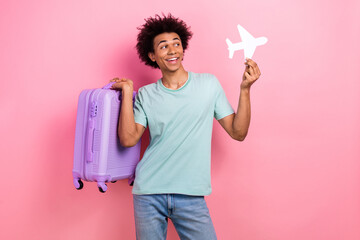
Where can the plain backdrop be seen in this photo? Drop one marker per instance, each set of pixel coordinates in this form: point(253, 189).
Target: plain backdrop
point(296, 176)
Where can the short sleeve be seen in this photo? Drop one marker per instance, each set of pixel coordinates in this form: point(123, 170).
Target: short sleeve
point(139, 113)
point(222, 105)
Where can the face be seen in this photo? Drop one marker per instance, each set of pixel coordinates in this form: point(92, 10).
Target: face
point(168, 52)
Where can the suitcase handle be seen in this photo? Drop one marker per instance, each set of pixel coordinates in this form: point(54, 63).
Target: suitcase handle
point(89, 142)
point(108, 86)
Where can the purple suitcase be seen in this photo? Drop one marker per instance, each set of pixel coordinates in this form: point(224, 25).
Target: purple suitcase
point(98, 155)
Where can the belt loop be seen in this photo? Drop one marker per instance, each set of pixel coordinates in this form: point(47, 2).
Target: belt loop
point(169, 203)
point(174, 202)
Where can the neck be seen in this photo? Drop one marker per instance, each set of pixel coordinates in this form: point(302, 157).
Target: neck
point(174, 80)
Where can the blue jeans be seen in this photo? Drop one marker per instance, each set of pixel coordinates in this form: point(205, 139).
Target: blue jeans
point(189, 215)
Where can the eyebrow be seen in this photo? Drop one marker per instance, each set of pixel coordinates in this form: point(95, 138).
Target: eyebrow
point(166, 40)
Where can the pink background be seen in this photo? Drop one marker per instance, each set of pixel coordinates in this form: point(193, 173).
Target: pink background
point(296, 176)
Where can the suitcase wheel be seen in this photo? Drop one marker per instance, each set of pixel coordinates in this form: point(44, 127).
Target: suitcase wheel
point(102, 187)
point(78, 184)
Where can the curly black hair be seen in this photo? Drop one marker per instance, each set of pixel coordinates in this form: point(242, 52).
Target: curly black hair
point(154, 26)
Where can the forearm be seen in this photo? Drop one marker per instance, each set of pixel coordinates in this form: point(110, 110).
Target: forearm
point(242, 117)
point(127, 128)
point(237, 125)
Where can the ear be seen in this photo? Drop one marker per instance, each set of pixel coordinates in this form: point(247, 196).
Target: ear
point(151, 56)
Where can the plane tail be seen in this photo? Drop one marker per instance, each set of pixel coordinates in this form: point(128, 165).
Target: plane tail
point(230, 48)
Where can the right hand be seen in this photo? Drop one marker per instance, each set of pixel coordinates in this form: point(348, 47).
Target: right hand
point(123, 84)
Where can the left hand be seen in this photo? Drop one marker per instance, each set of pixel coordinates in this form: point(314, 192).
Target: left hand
point(251, 74)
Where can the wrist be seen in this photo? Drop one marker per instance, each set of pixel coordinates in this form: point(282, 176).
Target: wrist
point(245, 90)
point(127, 92)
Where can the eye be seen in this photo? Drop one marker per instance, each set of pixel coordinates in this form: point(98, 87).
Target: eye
point(163, 47)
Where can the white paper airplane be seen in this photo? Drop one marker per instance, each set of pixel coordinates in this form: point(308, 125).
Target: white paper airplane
point(249, 43)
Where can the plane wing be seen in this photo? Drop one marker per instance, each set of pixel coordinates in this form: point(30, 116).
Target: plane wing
point(245, 35)
point(249, 50)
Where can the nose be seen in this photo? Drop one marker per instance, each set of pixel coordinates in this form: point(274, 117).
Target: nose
point(171, 50)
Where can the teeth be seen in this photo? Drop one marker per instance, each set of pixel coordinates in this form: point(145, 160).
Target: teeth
point(171, 59)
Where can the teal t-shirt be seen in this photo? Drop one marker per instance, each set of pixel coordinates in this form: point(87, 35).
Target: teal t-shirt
point(180, 123)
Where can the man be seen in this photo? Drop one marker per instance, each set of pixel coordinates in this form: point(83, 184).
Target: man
point(174, 174)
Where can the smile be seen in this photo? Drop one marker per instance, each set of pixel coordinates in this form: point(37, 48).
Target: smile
point(172, 60)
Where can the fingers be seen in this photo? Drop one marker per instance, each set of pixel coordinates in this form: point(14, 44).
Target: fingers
point(118, 85)
point(122, 84)
point(247, 75)
point(253, 68)
point(249, 70)
point(119, 80)
point(114, 79)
